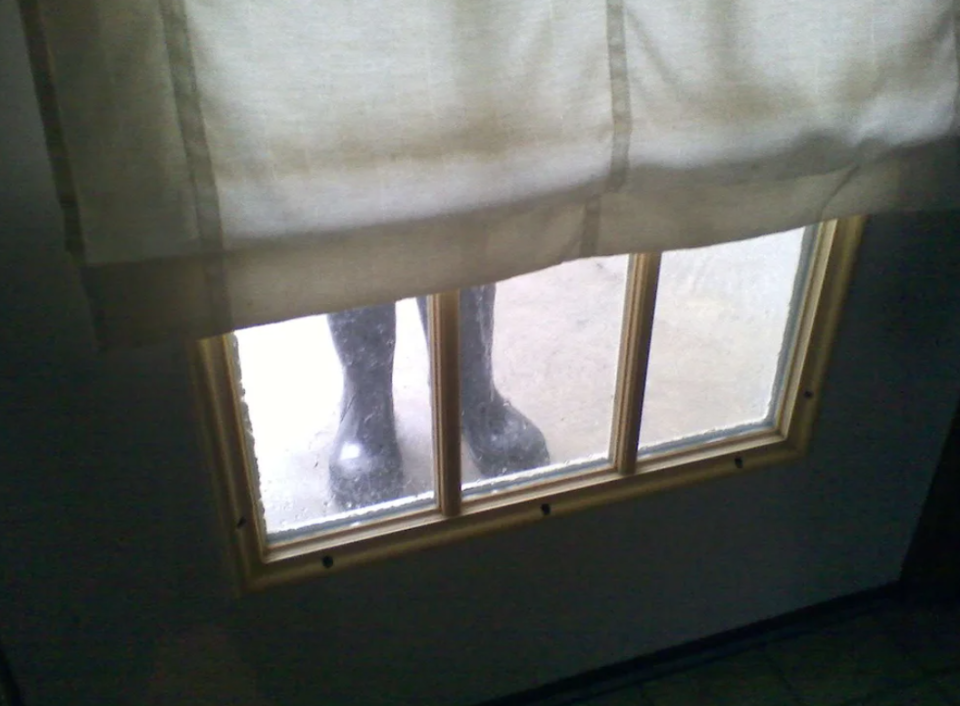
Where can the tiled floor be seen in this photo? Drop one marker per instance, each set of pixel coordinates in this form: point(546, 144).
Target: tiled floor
point(884, 653)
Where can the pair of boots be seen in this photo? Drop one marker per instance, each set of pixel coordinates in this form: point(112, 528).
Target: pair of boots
point(365, 462)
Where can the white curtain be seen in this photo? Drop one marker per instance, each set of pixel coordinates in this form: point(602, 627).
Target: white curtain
point(227, 163)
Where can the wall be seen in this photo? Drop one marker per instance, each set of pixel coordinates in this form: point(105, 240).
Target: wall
point(111, 572)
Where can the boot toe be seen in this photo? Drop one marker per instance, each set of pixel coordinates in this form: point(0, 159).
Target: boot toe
point(365, 474)
point(507, 443)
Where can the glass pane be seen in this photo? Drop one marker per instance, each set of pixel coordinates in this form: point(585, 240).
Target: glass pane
point(339, 415)
point(538, 377)
point(723, 322)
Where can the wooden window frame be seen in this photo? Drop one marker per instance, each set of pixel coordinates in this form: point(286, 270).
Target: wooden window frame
point(260, 564)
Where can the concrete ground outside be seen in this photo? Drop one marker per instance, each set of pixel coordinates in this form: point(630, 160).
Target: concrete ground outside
point(719, 328)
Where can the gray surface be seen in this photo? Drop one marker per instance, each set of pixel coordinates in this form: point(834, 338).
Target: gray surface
point(111, 551)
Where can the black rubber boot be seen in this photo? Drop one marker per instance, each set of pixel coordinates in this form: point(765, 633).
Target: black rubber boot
point(500, 439)
point(365, 462)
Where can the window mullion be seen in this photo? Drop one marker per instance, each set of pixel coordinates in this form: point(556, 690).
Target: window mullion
point(444, 325)
point(636, 335)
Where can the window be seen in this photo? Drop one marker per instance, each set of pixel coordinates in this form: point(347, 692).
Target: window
point(584, 384)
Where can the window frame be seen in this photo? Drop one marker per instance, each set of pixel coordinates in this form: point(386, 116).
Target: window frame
point(259, 564)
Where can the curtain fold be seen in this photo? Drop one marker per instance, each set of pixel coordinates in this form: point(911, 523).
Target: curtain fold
point(229, 163)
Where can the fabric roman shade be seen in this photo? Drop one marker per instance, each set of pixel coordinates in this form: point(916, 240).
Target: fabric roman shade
point(228, 163)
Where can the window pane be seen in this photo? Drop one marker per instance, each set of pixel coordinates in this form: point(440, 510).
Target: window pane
point(299, 378)
point(549, 341)
point(722, 322)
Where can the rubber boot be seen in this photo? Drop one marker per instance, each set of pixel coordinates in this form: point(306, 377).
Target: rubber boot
point(500, 439)
point(365, 462)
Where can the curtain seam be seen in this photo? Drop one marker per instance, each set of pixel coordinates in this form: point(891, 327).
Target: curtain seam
point(955, 21)
point(621, 118)
point(199, 163)
point(620, 95)
point(31, 18)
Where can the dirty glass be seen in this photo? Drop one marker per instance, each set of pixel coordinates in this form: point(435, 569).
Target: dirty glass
point(337, 407)
point(538, 372)
point(723, 324)
point(338, 416)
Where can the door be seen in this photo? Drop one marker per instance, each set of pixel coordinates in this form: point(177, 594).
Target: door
point(114, 582)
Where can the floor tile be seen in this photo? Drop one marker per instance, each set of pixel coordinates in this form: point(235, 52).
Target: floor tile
point(950, 684)
point(746, 679)
point(628, 696)
point(684, 689)
point(918, 695)
point(843, 662)
point(929, 634)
